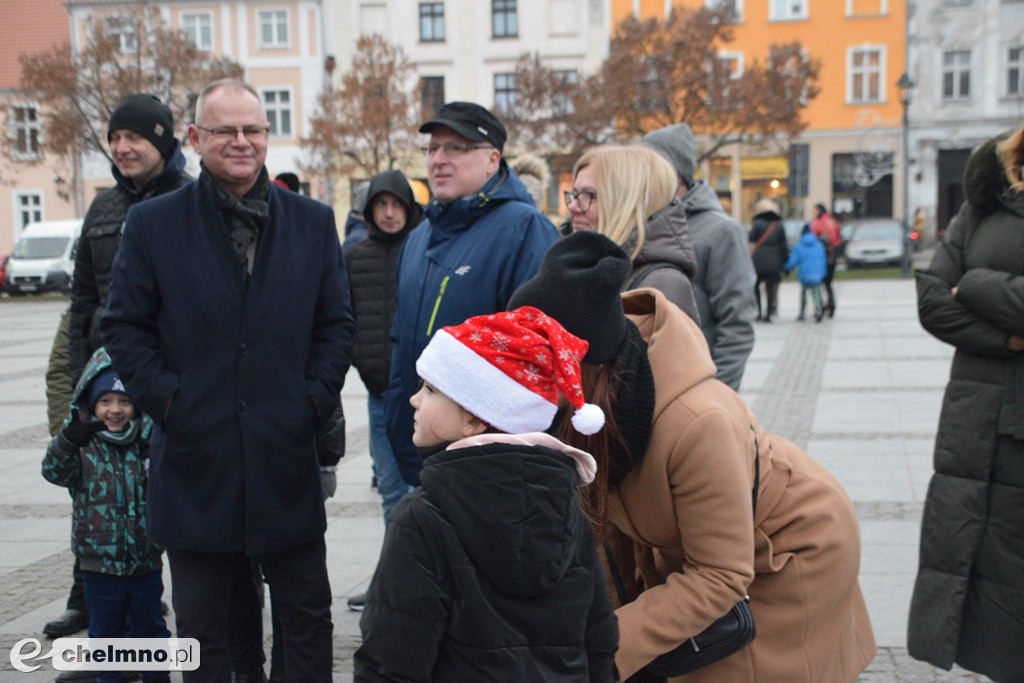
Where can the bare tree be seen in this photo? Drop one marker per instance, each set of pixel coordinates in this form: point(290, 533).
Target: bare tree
point(555, 110)
point(368, 123)
point(79, 90)
point(660, 72)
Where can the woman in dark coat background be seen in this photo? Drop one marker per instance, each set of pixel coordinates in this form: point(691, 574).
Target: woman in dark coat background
point(966, 606)
point(769, 252)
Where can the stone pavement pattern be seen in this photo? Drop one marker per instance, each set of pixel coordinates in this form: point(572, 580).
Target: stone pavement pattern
point(861, 393)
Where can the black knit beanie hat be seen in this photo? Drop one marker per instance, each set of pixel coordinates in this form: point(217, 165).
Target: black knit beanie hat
point(579, 284)
point(149, 117)
point(104, 383)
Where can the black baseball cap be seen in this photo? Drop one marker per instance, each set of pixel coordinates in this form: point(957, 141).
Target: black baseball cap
point(471, 121)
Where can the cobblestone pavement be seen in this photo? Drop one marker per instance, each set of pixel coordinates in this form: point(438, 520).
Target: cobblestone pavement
point(860, 392)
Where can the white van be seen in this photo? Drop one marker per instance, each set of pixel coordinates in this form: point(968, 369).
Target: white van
point(43, 259)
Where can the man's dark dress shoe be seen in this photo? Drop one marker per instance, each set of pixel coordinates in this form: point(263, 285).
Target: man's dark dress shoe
point(76, 677)
point(72, 621)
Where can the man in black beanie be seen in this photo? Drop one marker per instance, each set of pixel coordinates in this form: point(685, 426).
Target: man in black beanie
point(147, 161)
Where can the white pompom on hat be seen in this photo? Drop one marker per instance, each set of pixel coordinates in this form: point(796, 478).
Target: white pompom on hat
point(508, 370)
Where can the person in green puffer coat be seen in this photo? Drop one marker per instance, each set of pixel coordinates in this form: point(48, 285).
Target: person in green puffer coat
point(101, 456)
point(966, 603)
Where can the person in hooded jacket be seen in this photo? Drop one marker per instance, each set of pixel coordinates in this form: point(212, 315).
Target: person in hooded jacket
point(700, 505)
point(628, 194)
point(965, 607)
point(811, 262)
point(769, 252)
point(489, 570)
point(724, 283)
point(391, 214)
point(826, 228)
point(102, 457)
point(483, 237)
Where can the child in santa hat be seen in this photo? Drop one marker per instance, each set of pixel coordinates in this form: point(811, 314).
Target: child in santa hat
point(488, 569)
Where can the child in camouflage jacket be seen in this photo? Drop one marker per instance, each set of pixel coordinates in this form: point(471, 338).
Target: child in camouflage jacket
point(101, 456)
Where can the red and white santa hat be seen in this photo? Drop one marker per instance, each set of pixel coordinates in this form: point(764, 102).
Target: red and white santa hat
point(508, 369)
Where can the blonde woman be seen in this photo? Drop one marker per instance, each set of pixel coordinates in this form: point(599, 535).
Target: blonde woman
point(628, 194)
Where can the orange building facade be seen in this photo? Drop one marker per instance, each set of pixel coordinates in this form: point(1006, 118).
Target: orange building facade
point(852, 145)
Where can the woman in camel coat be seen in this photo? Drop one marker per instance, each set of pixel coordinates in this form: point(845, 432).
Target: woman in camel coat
point(674, 490)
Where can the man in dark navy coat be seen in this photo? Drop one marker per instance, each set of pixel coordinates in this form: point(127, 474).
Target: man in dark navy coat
point(229, 320)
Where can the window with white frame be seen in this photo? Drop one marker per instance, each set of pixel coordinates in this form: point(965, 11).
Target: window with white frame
point(735, 5)
point(561, 101)
point(865, 74)
point(122, 28)
point(867, 8)
point(956, 74)
point(28, 208)
point(788, 72)
point(278, 106)
point(723, 71)
point(504, 19)
point(431, 95)
point(198, 29)
point(506, 92)
point(787, 10)
point(431, 22)
point(273, 28)
point(1015, 71)
point(24, 124)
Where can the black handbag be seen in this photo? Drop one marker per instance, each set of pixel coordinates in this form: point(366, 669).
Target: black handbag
point(727, 635)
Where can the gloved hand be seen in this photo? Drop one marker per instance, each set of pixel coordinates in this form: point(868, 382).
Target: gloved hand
point(328, 481)
point(78, 433)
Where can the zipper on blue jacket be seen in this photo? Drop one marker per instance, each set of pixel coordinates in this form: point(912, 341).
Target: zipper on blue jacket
point(437, 305)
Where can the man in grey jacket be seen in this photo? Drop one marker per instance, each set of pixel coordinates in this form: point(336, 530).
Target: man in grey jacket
point(724, 285)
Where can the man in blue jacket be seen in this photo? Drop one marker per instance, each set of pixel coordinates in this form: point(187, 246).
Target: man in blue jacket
point(483, 237)
point(229, 320)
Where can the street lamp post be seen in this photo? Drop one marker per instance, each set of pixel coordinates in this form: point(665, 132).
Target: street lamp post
point(906, 86)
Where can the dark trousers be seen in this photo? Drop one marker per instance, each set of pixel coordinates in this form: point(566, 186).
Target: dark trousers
point(117, 601)
point(245, 623)
point(299, 587)
point(771, 290)
point(827, 284)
